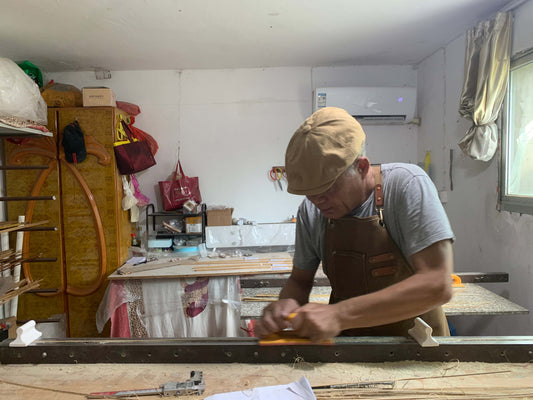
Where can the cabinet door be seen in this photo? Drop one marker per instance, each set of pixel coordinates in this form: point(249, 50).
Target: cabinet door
point(95, 229)
point(41, 244)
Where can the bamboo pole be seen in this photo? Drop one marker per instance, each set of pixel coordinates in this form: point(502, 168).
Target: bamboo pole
point(16, 270)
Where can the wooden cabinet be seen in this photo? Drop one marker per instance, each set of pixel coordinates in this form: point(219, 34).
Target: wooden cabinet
point(93, 232)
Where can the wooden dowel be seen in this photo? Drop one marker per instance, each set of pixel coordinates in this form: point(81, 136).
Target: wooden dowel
point(26, 198)
point(22, 226)
point(10, 167)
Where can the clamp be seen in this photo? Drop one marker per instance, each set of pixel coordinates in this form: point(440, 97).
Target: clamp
point(194, 385)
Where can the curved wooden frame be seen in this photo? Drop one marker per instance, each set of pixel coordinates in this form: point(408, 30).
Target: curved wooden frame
point(46, 148)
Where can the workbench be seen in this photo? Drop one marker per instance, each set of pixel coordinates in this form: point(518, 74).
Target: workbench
point(470, 299)
point(435, 379)
point(209, 298)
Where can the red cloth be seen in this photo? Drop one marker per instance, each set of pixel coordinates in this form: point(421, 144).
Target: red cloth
point(120, 323)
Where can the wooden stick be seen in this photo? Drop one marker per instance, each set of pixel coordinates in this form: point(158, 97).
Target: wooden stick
point(231, 266)
point(22, 289)
point(22, 226)
point(225, 262)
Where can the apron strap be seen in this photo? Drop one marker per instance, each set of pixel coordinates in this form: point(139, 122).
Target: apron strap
point(378, 195)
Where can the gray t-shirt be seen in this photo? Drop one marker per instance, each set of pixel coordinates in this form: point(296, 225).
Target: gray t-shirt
point(413, 215)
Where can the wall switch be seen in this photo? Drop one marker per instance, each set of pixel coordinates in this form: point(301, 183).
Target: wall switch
point(443, 196)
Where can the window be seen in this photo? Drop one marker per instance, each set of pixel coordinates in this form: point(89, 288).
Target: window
point(517, 137)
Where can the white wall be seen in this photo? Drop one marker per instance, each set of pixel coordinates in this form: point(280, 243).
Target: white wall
point(487, 240)
point(234, 125)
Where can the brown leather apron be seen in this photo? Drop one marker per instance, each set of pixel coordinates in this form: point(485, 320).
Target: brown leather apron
point(362, 258)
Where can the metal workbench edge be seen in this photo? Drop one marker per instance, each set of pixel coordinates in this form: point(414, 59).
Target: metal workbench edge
point(491, 349)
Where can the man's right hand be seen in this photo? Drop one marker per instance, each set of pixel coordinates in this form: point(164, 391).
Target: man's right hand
point(275, 317)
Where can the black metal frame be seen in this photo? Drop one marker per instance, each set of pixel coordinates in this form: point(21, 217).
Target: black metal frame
point(512, 349)
point(280, 280)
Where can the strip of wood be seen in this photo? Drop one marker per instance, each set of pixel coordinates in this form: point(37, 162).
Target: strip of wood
point(236, 265)
point(22, 226)
point(22, 289)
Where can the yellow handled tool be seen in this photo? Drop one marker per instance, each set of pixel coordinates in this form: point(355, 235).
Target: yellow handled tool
point(288, 337)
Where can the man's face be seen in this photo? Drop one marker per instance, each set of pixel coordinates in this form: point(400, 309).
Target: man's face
point(346, 194)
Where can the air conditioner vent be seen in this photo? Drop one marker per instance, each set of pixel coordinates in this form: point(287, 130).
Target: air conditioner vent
point(385, 105)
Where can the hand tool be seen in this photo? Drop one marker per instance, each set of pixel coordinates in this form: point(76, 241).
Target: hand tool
point(194, 385)
point(288, 337)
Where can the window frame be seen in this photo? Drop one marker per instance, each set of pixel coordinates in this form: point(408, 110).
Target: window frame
point(514, 203)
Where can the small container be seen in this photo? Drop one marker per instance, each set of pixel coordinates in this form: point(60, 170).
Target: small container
point(134, 241)
point(193, 224)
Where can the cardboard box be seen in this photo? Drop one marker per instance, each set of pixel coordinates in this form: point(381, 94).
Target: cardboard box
point(98, 97)
point(219, 217)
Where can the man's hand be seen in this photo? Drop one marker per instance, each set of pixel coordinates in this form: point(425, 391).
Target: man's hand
point(317, 322)
point(275, 317)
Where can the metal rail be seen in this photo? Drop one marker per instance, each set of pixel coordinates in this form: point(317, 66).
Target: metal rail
point(280, 280)
point(515, 349)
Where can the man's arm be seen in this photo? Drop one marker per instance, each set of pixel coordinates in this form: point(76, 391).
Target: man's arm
point(298, 286)
point(428, 288)
point(294, 294)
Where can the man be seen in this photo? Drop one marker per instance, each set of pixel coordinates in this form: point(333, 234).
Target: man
point(380, 232)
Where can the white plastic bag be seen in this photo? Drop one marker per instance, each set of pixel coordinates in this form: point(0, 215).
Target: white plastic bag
point(19, 94)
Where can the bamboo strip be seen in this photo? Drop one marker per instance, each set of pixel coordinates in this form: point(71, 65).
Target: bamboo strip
point(22, 226)
point(235, 268)
point(401, 394)
point(230, 262)
point(206, 266)
point(22, 289)
point(271, 299)
point(270, 295)
point(232, 266)
point(265, 299)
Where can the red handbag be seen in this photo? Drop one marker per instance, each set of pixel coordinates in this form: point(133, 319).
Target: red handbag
point(132, 156)
point(177, 192)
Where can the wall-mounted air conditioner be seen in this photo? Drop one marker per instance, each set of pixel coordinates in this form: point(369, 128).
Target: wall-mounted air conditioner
point(379, 105)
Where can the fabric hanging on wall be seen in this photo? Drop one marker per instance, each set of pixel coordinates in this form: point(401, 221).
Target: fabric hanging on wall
point(487, 61)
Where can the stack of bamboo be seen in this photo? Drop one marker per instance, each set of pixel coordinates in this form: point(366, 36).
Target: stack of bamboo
point(9, 288)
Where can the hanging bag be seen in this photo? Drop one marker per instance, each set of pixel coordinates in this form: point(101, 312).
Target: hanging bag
point(179, 190)
point(132, 155)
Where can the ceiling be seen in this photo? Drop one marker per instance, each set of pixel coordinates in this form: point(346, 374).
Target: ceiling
point(73, 35)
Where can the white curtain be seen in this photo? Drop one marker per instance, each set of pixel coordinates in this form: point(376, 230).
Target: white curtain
point(487, 61)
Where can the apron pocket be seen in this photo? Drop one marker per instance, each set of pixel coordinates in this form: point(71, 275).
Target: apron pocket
point(347, 274)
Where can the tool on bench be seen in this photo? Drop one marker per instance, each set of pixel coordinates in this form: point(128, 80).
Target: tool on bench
point(194, 385)
point(456, 281)
point(288, 337)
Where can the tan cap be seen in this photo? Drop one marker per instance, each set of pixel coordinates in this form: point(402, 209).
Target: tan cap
point(321, 149)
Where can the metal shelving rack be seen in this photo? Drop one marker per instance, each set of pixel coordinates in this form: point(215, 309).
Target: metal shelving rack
point(152, 215)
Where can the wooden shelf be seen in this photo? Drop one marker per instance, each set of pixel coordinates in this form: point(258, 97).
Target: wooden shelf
point(11, 131)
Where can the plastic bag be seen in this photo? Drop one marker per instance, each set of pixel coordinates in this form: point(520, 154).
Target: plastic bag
point(130, 108)
point(142, 135)
point(142, 200)
point(19, 94)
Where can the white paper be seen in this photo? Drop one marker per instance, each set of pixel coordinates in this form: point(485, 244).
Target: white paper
point(136, 260)
point(299, 390)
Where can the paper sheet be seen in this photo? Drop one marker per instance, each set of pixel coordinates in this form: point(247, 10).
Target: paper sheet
point(299, 390)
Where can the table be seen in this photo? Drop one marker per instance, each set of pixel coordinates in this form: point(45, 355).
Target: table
point(466, 378)
point(471, 299)
point(172, 307)
point(182, 298)
point(203, 298)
